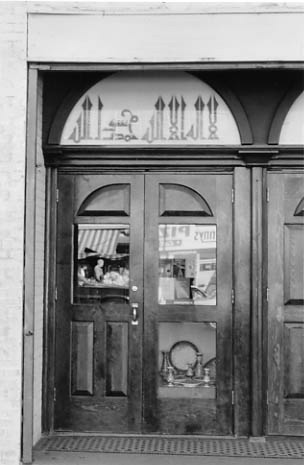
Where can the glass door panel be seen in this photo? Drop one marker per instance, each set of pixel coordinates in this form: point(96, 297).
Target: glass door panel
point(187, 377)
point(187, 264)
point(187, 359)
point(101, 262)
point(188, 311)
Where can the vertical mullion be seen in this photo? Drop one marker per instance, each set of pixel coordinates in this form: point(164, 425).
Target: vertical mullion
point(256, 301)
point(242, 300)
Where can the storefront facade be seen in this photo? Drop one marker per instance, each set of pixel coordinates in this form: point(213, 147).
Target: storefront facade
point(164, 257)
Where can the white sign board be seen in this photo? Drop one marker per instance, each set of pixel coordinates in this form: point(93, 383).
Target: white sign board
point(185, 32)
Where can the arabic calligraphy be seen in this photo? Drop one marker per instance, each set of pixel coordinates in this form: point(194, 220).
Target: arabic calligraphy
point(121, 129)
point(171, 120)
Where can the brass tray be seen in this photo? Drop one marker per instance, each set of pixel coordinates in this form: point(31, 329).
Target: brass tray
point(189, 383)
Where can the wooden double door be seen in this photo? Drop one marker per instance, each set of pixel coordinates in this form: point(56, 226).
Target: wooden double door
point(143, 332)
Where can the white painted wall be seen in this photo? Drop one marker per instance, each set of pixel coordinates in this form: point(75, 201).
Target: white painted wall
point(13, 84)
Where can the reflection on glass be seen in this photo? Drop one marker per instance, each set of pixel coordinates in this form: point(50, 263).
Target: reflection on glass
point(102, 262)
point(187, 359)
point(187, 264)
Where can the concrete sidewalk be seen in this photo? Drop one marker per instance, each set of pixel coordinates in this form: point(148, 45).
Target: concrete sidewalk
point(91, 458)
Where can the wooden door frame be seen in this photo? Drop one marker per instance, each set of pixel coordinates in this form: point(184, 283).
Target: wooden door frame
point(245, 422)
point(29, 270)
point(242, 304)
point(241, 321)
point(258, 300)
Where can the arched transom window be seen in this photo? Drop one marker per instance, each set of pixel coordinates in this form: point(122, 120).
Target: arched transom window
point(144, 108)
point(292, 131)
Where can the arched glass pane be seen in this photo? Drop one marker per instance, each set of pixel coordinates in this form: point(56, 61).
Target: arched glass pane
point(178, 200)
point(150, 108)
point(113, 200)
point(300, 209)
point(292, 131)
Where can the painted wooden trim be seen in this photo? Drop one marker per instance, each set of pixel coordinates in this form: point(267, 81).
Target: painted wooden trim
point(49, 314)
point(177, 66)
point(158, 8)
point(257, 382)
point(242, 301)
point(282, 110)
point(265, 291)
point(177, 157)
point(29, 269)
point(46, 345)
point(253, 151)
point(275, 309)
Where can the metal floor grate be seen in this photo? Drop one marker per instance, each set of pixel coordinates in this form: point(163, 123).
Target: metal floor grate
point(271, 448)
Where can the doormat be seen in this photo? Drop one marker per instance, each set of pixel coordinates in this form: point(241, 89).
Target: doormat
point(197, 446)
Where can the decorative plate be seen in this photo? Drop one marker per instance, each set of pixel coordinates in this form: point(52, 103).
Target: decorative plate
point(182, 353)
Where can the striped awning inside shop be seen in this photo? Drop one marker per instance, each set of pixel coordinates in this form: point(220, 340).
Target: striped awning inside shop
point(97, 241)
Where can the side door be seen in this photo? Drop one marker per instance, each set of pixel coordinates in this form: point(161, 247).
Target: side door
point(188, 304)
point(98, 348)
point(286, 303)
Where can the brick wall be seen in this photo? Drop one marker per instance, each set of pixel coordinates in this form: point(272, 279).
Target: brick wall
point(13, 83)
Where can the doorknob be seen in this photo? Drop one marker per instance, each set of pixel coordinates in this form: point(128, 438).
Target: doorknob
point(134, 320)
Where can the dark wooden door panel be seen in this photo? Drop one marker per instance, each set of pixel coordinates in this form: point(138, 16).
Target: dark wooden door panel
point(82, 382)
point(286, 304)
point(176, 321)
point(98, 349)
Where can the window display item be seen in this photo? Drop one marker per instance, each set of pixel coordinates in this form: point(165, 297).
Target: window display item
point(171, 378)
point(206, 378)
point(211, 365)
point(199, 365)
point(164, 370)
point(182, 354)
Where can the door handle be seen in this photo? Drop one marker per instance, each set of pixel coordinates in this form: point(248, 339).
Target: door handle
point(134, 320)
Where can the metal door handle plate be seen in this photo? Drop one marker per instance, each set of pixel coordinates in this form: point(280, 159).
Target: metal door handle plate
point(134, 320)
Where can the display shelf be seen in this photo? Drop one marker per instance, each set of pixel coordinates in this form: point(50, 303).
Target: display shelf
point(199, 392)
